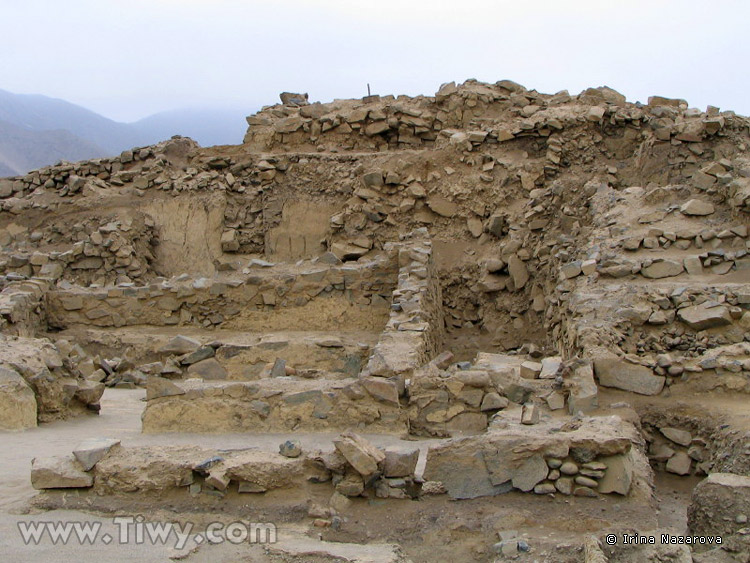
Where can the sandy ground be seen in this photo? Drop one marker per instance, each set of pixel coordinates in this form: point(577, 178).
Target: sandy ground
point(120, 418)
point(432, 529)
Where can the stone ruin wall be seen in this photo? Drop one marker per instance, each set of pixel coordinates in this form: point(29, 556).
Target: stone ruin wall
point(559, 135)
point(539, 246)
point(207, 303)
point(487, 211)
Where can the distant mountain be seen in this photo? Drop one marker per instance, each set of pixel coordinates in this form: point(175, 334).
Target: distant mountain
point(22, 150)
point(37, 131)
point(40, 113)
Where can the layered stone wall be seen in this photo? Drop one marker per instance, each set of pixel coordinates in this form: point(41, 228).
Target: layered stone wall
point(500, 112)
point(603, 455)
point(270, 405)
point(213, 302)
point(415, 330)
point(22, 310)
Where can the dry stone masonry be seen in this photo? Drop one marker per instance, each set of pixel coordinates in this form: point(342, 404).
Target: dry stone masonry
point(517, 293)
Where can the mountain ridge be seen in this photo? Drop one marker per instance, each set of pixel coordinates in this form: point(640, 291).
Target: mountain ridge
point(37, 130)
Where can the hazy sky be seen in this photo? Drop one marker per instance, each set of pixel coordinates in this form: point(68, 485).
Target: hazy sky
point(129, 59)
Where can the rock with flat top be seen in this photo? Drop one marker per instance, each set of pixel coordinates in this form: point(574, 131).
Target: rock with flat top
point(555, 401)
point(530, 370)
point(207, 369)
point(697, 207)
point(530, 414)
point(293, 99)
point(442, 206)
point(400, 463)
point(681, 437)
point(383, 389)
point(492, 402)
point(160, 387)
point(702, 317)
point(663, 269)
point(364, 457)
point(550, 367)
point(59, 473)
point(346, 252)
point(91, 451)
point(614, 372)
point(180, 345)
point(89, 392)
point(679, 464)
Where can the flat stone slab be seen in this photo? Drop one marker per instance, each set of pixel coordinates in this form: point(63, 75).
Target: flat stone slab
point(181, 344)
point(349, 552)
point(362, 455)
point(697, 207)
point(662, 269)
point(91, 451)
point(617, 373)
point(59, 473)
point(701, 317)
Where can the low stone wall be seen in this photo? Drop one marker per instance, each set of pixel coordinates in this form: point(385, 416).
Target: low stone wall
point(130, 355)
point(96, 250)
point(593, 456)
point(445, 401)
point(685, 443)
point(148, 163)
point(376, 122)
point(415, 331)
point(352, 468)
point(306, 356)
point(441, 403)
point(212, 302)
point(279, 404)
point(662, 336)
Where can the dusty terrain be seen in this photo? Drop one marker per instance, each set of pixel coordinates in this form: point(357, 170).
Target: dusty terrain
point(488, 324)
point(423, 528)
